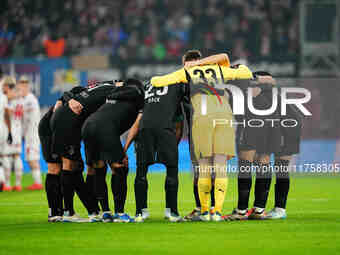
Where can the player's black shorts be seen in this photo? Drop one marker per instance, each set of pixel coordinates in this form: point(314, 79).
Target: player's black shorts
point(291, 126)
point(45, 135)
point(157, 145)
point(259, 133)
point(66, 133)
point(102, 141)
point(265, 140)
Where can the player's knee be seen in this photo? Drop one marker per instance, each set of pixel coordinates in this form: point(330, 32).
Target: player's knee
point(90, 170)
point(71, 164)
point(284, 158)
point(263, 159)
point(247, 155)
point(115, 168)
point(53, 168)
point(220, 159)
point(99, 164)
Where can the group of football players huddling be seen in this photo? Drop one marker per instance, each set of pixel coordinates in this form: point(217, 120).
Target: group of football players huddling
point(154, 113)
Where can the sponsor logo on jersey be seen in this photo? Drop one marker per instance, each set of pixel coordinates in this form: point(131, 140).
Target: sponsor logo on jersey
point(111, 101)
point(84, 94)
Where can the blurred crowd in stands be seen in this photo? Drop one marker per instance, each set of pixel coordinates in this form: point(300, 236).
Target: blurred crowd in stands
point(144, 29)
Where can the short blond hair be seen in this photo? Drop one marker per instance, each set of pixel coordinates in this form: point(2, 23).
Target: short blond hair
point(8, 80)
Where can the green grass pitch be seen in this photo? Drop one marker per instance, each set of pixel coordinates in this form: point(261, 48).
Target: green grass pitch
point(312, 226)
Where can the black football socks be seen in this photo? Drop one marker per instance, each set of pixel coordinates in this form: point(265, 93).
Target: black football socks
point(212, 193)
point(54, 195)
point(73, 181)
point(196, 195)
point(90, 184)
point(282, 183)
point(141, 188)
point(101, 188)
point(262, 184)
point(119, 188)
point(244, 183)
point(67, 190)
point(83, 193)
point(171, 188)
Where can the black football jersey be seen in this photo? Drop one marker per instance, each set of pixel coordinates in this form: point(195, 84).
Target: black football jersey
point(161, 104)
point(121, 108)
point(92, 98)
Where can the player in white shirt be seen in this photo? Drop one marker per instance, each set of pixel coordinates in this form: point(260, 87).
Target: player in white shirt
point(5, 131)
point(30, 122)
point(11, 153)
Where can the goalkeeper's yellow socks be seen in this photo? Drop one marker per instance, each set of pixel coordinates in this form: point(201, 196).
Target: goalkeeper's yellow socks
point(204, 188)
point(221, 184)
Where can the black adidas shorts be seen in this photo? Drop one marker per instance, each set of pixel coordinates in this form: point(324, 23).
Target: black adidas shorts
point(102, 141)
point(259, 133)
point(45, 135)
point(265, 140)
point(66, 133)
point(157, 145)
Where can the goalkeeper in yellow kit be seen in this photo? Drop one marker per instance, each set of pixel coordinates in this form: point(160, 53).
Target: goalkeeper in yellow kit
point(213, 140)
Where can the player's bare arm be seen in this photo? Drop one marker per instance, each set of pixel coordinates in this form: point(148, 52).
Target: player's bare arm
point(220, 59)
point(133, 132)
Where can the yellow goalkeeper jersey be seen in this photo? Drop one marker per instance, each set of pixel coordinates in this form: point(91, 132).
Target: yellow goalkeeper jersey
point(208, 100)
point(207, 73)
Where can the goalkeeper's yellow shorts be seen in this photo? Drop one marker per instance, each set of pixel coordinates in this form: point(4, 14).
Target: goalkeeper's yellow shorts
point(213, 134)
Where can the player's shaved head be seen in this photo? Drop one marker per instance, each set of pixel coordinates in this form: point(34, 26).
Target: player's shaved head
point(191, 55)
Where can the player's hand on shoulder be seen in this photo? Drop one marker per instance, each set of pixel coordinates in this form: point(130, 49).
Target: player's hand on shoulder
point(75, 106)
point(266, 80)
point(189, 64)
